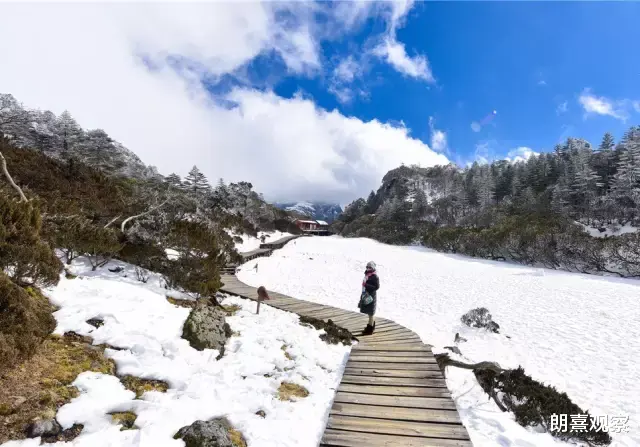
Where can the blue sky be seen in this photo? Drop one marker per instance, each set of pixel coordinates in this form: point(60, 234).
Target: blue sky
point(317, 101)
point(530, 62)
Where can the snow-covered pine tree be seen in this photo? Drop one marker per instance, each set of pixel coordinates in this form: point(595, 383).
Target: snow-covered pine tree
point(69, 131)
point(196, 182)
point(173, 180)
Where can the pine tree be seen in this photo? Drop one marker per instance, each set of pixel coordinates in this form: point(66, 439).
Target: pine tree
point(173, 180)
point(69, 131)
point(196, 182)
point(607, 144)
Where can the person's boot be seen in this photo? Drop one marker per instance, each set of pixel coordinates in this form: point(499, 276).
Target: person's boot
point(368, 330)
point(373, 328)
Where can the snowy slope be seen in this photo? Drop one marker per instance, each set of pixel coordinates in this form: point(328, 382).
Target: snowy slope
point(579, 333)
point(138, 317)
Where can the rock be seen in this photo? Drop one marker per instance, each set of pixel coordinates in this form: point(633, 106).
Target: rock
point(459, 339)
point(116, 269)
point(480, 318)
point(95, 322)
point(17, 401)
point(261, 413)
point(206, 328)
point(47, 427)
point(454, 349)
point(214, 433)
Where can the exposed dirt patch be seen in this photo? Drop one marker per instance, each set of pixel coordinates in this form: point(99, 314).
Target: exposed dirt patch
point(39, 386)
point(333, 335)
point(65, 435)
point(126, 419)
point(141, 386)
point(291, 391)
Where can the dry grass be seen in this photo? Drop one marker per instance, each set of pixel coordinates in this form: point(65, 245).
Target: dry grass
point(182, 303)
point(126, 419)
point(236, 438)
point(231, 309)
point(291, 391)
point(39, 386)
point(286, 353)
point(141, 386)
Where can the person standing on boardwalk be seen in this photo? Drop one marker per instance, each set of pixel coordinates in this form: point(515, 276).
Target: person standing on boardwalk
point(368, 298)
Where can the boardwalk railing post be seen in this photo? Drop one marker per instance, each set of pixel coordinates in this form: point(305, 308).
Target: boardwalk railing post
point(262, 295)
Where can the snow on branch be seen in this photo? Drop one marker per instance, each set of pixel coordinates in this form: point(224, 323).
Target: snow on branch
point(23, 198)
point(150, 210)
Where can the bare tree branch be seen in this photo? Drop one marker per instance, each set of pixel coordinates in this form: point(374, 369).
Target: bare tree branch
point(23, 198)
point(150, 210)
point(444, 360)
point(112, 221)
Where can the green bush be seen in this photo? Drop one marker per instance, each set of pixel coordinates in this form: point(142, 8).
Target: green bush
point(24, 256)
point(533, 404)
point(25, 321)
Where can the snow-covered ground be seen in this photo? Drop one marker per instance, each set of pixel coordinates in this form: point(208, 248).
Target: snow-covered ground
point(576, 332)
point(250, 243)
point(138, 317)
point(616, 230)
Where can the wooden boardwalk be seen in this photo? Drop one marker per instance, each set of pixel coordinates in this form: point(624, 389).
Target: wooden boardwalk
point(392, 392)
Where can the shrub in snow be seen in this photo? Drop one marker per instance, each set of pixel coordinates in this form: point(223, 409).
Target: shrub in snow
point(206, 328)
point(333, 334)
point(24, 256)
point(215, 433)
point(533, 404)
point(25, 320)
point(480, 318)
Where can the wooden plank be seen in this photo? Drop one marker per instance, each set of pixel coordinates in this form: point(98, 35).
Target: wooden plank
point(380, 358)
point(373, 372)
point(406, 337)
point(434, 403)
point(394, 381)
point(392, 366)
point(384, 390)
point(345, 438)
point(398, 353)
point(369, 346)
point(405, 414)
point(402, 428)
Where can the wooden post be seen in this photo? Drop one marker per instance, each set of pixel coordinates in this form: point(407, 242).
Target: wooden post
point(262, 295)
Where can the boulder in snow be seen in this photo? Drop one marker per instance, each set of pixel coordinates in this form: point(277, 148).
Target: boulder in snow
point(215, 433)
point(480, 318)
point(43, 427)
point(206, 328)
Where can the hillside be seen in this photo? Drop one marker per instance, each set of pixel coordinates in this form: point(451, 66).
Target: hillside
point(539, 211)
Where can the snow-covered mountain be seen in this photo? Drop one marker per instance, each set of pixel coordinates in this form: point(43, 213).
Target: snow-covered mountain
point(315, 210)
point(62, 137)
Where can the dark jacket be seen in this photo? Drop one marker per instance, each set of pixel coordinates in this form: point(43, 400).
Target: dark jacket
point(372, 284)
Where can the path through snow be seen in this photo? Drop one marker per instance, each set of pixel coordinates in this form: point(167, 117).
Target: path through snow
point(579, 333)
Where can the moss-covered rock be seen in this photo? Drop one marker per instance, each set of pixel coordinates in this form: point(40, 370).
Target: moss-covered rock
point(126, 419)
point(215, 433)
point(206, 328)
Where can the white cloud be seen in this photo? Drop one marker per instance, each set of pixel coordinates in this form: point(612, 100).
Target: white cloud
point(600, 105)
point(542, 82)
point(438, 138)
point(636, 106)
point(563, 107)
point(475, 126)
point(521, 153)
point(395, 53)
point(84, 58)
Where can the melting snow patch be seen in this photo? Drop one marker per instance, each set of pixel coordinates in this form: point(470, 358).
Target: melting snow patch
point(138, 318)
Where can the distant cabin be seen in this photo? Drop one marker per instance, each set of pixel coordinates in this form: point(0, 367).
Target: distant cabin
point(313, 227)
